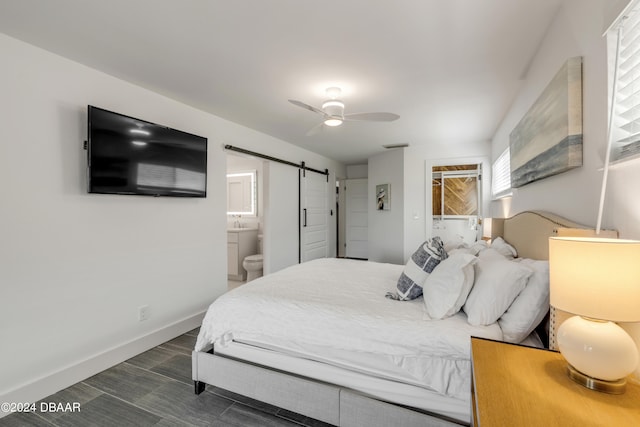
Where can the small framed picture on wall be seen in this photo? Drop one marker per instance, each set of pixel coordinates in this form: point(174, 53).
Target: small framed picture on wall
point(383, 197)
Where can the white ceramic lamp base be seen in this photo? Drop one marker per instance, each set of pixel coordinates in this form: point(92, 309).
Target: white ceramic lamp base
point(601, 353)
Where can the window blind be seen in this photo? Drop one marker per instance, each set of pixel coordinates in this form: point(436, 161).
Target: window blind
point(501, 176)
point(625, 131)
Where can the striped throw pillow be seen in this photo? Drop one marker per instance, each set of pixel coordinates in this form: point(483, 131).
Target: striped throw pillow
point(418, 268)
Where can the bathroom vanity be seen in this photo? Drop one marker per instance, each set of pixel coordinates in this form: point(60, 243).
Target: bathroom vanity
point(241, 242)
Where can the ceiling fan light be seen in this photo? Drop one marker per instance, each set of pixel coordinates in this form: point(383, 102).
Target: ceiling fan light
point(333, 121)
point(333, 103)
point(333, 111)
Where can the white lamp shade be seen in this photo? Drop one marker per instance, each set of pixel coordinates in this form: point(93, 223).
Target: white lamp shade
point(596, 278)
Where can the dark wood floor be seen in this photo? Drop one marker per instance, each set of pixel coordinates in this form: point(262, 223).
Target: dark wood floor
point(155, 389)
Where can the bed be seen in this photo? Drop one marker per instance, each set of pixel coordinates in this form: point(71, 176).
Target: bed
point(320, 338)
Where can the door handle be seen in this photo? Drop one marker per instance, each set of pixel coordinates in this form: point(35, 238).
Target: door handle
point(304, 217)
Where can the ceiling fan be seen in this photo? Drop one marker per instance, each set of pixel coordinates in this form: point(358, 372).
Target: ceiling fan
point(332, 112)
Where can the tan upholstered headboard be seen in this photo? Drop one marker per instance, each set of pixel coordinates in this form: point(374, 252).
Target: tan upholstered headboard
point(529, 233)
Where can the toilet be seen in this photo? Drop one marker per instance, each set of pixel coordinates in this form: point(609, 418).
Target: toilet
point(253, 263)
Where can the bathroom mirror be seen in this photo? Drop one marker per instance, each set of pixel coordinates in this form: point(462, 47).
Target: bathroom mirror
point(241, 193)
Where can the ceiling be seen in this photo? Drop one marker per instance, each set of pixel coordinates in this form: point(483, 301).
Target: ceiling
point(449, 68)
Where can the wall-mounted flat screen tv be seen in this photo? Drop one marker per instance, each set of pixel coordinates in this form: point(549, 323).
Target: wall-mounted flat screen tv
point(133, 156)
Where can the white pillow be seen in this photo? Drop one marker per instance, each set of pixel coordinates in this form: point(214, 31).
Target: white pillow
point(475, 249)
point(478, 247)
point(504, 248)
point(447, 287)
point(530, 307)
point(460, 251)
point(498, 283)
point(492, 254)
point(455, 243)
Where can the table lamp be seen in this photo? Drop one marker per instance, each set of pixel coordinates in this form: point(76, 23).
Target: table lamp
point(486, 228)
point(598, 280)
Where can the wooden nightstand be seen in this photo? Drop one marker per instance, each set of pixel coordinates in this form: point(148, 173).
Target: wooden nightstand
point(513, 385)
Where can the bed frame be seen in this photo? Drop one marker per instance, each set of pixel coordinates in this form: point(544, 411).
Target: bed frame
point(528, 232)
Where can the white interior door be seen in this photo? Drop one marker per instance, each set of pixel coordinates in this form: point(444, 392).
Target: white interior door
point(357, 218)
point(280, 235)
point(314, 216)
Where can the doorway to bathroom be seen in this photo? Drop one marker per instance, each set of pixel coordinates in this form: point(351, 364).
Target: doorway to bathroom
point(285, 209)
point(245, 218)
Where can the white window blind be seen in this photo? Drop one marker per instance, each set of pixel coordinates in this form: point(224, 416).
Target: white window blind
point(625, 125)
point(501, 176)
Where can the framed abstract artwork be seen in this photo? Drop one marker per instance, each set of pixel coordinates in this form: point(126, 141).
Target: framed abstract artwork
point(548, 139)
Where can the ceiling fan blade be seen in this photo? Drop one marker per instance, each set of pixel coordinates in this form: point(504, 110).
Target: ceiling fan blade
point(306, 106)
point(316, 129)
point(372, 117)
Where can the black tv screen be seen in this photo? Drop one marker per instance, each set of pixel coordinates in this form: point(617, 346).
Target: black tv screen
point(133, 156)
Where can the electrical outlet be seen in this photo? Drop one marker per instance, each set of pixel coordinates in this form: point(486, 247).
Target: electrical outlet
point(143, 313)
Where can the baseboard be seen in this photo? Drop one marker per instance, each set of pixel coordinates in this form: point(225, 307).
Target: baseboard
point(56, 381)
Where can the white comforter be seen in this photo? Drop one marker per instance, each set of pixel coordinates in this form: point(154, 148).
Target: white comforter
point(335, 311)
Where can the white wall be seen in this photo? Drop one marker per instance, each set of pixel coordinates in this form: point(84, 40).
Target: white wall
point(357, 171)
point(577, 31)
point(386, 228)
point(75, 267)
point(394, 235)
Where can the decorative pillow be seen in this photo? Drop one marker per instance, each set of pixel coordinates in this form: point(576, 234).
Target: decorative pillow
point(447, 287)
point(498, 282)
point(530, 307)
point(504, 248)
point(419, 266)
